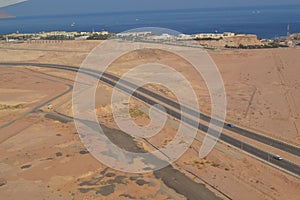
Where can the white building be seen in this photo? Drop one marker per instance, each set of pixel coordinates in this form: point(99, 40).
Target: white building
point(213, 35)
point(228, 34)
point(134, 34)
point(185, 37)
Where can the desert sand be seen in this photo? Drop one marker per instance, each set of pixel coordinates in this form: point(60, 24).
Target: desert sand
point(42, 156)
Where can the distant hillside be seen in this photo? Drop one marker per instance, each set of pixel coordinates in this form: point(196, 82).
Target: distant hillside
point(4, 14)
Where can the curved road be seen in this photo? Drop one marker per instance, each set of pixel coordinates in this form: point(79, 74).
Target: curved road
point(125, 86)
point(243, 132)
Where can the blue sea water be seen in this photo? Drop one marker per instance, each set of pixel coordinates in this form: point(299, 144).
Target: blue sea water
point(266, 22)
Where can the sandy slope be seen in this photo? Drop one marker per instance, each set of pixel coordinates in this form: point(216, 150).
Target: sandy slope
point(44, 158)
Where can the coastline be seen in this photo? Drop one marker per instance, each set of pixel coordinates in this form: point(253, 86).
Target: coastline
point(226, 40)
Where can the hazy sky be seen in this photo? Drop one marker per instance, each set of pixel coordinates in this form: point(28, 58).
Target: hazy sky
point(45, 7)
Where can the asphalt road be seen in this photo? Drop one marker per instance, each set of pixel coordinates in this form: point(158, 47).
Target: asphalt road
point(141, 92)
point(112, 79)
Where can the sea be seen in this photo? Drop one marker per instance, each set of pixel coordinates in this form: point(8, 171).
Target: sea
point(265, 21)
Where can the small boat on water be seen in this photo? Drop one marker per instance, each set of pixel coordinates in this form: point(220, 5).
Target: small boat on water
point(73, 24)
